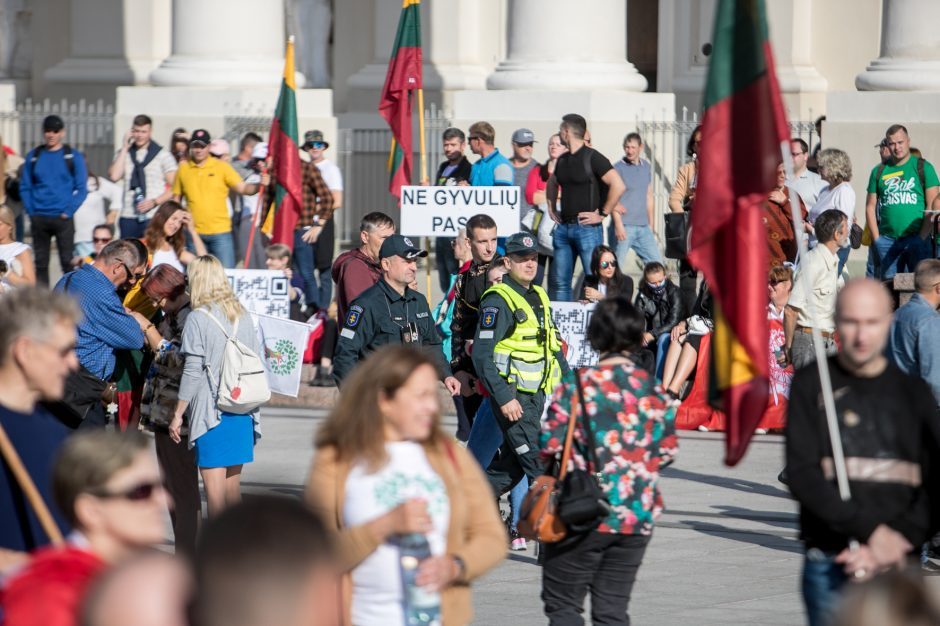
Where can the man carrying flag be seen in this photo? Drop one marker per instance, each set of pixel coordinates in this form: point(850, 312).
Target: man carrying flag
point(742, 131)
point(403, 78)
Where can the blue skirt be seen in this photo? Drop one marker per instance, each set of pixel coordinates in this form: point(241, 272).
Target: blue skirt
point(230, 443)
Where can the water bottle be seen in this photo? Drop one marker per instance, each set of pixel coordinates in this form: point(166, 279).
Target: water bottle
point(138, 198)
point(422, 607)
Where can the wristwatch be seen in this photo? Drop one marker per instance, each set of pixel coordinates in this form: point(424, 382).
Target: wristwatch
point(461, 566)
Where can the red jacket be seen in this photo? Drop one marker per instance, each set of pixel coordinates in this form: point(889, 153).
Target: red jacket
point(353, 272)
point(49, 591)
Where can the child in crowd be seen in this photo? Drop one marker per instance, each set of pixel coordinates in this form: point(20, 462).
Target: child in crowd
point(278, 257)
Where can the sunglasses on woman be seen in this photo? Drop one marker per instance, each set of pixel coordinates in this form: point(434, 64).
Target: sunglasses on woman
point(137, 493)
point(606, 264)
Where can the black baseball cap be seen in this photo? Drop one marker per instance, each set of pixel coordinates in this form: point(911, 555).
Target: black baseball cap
point(522, 244)
point(399, 245)
point(200, 136)
point(52, 124)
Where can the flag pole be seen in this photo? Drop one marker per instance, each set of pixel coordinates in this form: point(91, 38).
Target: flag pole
point(424, 177)
point(12, 458)
point(822, 364)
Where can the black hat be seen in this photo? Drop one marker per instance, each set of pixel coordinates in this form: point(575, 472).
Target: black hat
point(522, 244)
point(314, 136)
point(52, 124)
point(399, 245)
point(200, 136)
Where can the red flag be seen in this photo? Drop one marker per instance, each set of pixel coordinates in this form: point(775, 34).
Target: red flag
point(742, 131)
point(402, 79)
point(285, 171)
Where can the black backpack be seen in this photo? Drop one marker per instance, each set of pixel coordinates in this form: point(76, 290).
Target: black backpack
point(38, 150)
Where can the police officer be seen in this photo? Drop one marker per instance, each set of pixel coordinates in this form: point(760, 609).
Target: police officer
point(517, 353)
point(390, 312)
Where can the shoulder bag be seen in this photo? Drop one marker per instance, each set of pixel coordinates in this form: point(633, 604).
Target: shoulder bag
point(571, 503)
point(677, 235)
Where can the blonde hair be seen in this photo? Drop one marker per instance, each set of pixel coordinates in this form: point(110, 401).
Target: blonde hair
point(7, 216)
point(837, 163)
point(355, 427)
point(209, 285)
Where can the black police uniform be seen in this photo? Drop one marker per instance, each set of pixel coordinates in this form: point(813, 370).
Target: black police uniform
point(381, 316)
point(519, 454)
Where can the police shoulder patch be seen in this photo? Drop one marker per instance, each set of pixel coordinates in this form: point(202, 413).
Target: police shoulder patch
point(354, 315)
point(488, 316)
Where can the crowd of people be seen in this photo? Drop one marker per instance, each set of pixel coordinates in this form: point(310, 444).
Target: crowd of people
point(398, 517)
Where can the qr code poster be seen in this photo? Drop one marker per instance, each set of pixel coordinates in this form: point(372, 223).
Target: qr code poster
point(572, 319)
point(266, 292)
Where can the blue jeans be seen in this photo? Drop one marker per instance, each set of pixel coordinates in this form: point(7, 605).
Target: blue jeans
point(641, 239)
point(843, 254)
point(662, 346)
point(571, 241)
point(873, 267)
point(900, 255)
point(222, 247)
point(303, 262)
point(823, 578)
point(485, 439)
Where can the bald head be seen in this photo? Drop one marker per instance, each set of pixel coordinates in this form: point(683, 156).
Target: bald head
point(150, 590)
point(863, 319)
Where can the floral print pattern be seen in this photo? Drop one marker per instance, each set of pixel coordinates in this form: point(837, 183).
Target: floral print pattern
point(633, 424)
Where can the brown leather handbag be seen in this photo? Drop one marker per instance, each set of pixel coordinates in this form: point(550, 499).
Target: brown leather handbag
point(538, 519)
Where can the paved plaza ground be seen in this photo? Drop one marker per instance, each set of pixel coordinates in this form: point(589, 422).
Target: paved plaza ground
point(725, 552)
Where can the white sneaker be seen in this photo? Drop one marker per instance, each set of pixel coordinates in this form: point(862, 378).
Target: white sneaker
point(703, 428)
point(760, 431)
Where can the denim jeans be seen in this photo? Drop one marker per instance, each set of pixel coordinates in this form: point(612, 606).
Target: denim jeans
point(222, 247)
point(304, 254)
point(822, 580)
point(132, 229)
point(571, 241)
point(873, 267)
point(843, 254)
point(485, 439)
point(662, 347)
point(900, 255)
point(640, 239)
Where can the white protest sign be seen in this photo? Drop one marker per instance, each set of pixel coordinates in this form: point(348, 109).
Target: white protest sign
point(572, 319)
point(282, 343)
point(442, 211)
point(266, 292)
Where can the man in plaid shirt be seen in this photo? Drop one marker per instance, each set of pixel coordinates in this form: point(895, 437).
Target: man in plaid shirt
point(316, 211)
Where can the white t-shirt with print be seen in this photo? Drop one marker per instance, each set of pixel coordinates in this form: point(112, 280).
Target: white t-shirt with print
point(377, 588)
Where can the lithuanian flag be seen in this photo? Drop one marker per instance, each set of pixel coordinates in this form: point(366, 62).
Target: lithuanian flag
point(285, 169)
point(743, 128)
point(401, 81)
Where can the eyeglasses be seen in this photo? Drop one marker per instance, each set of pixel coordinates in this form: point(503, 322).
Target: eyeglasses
point(796, 154)
point(130, 274)
point(137, 493)
point(473, 138)
point(101, 239)
point(606, 264)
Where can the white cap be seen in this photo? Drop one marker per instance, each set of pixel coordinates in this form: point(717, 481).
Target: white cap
point(260, 150)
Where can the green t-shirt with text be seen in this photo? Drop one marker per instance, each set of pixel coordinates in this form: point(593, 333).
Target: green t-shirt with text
point(901, 196)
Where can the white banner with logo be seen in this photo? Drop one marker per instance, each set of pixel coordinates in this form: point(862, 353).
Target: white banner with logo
point(572, 319)
point(442, 211)
point(282, 343)
point(265, 292)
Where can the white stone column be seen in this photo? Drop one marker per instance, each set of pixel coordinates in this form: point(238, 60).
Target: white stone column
point(225, 43)
point(560, 45)
point(113, 42)
point(910, 49)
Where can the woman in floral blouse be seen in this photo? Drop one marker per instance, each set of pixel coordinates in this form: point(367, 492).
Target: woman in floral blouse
point(632, 421)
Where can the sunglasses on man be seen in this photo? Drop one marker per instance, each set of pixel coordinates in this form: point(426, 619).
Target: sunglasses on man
point(137, 493)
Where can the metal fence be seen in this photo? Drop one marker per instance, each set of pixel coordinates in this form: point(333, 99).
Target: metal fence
point(664, 144)
point(89, 128)
point(362, 155)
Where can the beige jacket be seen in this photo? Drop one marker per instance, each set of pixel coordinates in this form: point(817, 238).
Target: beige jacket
point(476, 534)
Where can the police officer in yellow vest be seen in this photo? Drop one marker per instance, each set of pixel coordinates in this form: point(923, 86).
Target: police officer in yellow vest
point(517, 354)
